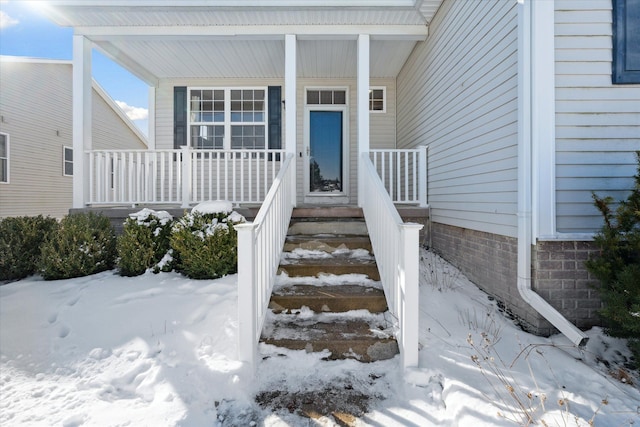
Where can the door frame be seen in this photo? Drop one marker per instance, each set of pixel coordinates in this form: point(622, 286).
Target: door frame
point(327, 198)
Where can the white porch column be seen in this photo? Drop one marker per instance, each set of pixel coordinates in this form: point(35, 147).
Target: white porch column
point(290, 107)
point(151, 131)
point(82, 96)
point(363, 107)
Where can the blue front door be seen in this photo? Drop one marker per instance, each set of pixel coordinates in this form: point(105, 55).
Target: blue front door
point(325, 152)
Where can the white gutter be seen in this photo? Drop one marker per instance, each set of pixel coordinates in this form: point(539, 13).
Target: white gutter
point(526, 25)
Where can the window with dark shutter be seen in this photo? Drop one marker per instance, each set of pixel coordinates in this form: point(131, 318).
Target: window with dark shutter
point(626, 42)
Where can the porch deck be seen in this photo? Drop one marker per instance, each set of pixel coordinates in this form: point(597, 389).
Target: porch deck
point(118, 214)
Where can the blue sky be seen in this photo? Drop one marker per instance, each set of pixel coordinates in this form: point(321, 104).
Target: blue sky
point(26, 32)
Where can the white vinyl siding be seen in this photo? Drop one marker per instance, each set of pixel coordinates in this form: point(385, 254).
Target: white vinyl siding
point(110, 131)
point(597, 123)
point(40, 126)
point(457, 94)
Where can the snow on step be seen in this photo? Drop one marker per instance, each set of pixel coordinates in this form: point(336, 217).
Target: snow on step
point(357, 334)
point(328, 296)
point(303, 262)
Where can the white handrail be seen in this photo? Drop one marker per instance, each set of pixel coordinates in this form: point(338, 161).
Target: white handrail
point(395, 245)
point(403, 173)
point(260, 245)
point(185, 176)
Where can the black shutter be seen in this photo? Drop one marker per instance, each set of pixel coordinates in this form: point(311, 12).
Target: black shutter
point(275, 117)
point(179, 116)
point(626, 41)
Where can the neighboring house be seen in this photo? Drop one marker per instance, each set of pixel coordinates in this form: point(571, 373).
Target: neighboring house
point(36, 142)
point(514, 99)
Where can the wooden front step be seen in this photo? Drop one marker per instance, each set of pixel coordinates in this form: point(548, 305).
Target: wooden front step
point(347, 318)
point(315, 268)
point(328, 243)
point(329, 298)
point(344, 339)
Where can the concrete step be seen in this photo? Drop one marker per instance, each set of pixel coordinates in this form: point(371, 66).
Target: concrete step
point(348, 338)
point(329, 298)
point(328, 243)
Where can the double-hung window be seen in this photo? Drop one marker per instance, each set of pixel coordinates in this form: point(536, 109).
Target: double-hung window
point(227, 118)
point(67, 161)
point(377, 99)
point(248, 119)
point(207, 118)
point(4, 158)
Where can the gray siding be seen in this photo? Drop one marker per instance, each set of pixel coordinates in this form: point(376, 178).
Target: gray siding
point(36, 110)
point(457, 94)
point(597, 123)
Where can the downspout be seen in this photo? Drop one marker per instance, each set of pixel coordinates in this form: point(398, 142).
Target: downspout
point(526, 35)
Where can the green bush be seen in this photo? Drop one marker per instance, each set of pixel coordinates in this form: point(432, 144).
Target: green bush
point(144, 241)
point(82, 244)
point(206, 244)
point(20, 241)
point(617, 266)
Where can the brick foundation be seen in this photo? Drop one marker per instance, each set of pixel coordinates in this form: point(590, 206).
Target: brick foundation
point(560, 277)
point(558, 274)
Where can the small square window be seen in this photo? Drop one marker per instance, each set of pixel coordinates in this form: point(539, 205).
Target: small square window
point(340, 97)
point(377, 100)
point(67, 161)
point(313, 97)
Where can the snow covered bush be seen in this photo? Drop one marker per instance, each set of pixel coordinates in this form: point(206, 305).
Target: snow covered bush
point(144, 241)
point(205, 243)
point(20, 240)
point(618, 265)
point(81, 244)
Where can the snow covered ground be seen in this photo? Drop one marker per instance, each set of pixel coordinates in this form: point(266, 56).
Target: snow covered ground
point(160, 350)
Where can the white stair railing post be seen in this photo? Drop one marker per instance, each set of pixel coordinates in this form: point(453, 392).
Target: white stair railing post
point(422, 176)
point(247, 312)
point(186, 175)
point(410, 273)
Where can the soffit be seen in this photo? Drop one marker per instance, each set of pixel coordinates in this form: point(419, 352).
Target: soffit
point(255, 58)
point(160, 39)
point(124, 16)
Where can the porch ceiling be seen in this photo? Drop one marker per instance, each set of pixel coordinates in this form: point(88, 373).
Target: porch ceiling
point(256, 58)
point(156, 39)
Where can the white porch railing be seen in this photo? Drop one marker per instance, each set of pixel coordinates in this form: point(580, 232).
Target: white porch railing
point(396, 248)
point(403, 174)
point(260, 245)
point(183, 176)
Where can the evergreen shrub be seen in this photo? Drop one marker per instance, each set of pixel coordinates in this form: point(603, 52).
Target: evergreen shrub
point(81, 244)
point(144, 242)
point(617, 266)
point(205, 243)
point(20, 241)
